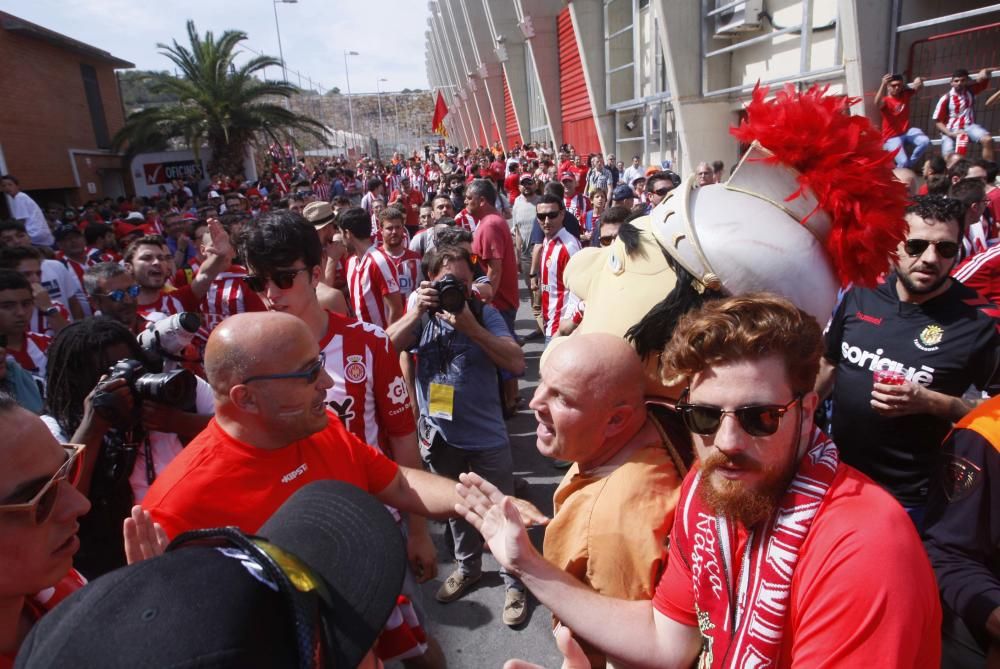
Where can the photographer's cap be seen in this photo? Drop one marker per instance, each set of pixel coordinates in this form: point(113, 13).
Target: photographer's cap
point(215, 607)
point(320, 214)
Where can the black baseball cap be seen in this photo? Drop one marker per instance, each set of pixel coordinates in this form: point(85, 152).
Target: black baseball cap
point(323, 572)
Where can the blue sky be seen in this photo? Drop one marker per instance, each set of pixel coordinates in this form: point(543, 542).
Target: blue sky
point(387, 34)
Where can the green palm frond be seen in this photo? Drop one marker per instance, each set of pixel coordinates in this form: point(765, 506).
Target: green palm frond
point(221, 104)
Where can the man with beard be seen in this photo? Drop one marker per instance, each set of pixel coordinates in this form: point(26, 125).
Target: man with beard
point(775, 552)
point(148, 259)
point(929, 338)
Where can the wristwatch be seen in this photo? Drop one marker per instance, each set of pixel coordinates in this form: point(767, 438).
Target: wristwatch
point(51, 311)
point(532, 276)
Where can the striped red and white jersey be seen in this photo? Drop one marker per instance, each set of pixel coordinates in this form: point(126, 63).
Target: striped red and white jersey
point(97, 256)
point(416, 177)
point(578, 205)
point(229, 294)
point(408, 271)
point(368, 392)
point(322, 190)
point(954, 109)
point(167, 304)
point(77, 267)
point(463, 219)
point(33, 355)
point(369, 279)
point(556, 252)
point(40, 323)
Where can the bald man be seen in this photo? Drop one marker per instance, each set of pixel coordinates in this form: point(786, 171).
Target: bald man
point(614, 508)
point(272, 434)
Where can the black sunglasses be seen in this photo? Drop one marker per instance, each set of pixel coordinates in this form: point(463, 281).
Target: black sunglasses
point(757, 421)
point(310, 375)
point(662, 192)
point(282, 278)
point(607, 239)
point(544, 216)
point(916, 247)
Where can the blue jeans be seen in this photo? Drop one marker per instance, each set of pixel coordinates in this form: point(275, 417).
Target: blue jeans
point(975, 132)
point(914, 138)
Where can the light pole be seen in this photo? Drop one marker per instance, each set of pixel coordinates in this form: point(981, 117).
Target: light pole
point(347, 76)
point(277, 29)
point(378, 95)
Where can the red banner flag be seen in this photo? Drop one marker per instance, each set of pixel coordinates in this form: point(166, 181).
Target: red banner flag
point(440, 111)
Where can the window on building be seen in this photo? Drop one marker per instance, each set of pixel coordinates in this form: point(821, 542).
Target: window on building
point(92, 89)
point(619, 49)
point(538, 120)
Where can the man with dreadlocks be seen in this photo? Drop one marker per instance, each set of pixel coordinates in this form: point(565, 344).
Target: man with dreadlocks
point(121, 460)
point(795, 219)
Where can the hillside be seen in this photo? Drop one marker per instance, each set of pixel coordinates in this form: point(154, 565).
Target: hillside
point(415, 110)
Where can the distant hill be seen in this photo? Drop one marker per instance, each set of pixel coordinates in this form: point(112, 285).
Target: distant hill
point(135, 91)
point(415, 109)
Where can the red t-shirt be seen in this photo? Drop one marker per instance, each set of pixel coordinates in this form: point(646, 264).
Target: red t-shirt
point(412, 201)
point(491, 240)
point(862, 593)
point(46, 600)
point(512, 184)
point(981, 272)
point(896, 114)
point(218, 480)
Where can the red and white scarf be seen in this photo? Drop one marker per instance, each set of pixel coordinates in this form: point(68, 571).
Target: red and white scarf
point(742, 624)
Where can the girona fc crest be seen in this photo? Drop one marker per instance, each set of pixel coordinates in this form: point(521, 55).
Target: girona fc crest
point(355, 370)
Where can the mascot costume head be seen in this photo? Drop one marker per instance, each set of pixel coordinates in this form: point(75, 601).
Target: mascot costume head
point(812, 206)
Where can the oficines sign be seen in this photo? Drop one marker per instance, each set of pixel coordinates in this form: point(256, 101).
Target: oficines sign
point(161, 173)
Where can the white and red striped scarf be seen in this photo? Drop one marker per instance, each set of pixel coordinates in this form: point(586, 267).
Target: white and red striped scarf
point(742, 624)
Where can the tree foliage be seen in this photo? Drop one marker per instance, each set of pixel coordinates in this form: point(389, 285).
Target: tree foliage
point(225, 106)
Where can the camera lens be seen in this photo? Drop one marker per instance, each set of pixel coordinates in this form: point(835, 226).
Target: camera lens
point(176, 388)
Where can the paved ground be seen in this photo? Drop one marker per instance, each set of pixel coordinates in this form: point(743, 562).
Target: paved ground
point(470, 630)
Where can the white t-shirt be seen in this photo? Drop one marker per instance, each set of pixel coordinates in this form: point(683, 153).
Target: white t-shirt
point(23, 208)
point(164, 446)
point(62, 285)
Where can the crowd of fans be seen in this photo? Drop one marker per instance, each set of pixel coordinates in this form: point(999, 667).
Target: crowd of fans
point(203, 354)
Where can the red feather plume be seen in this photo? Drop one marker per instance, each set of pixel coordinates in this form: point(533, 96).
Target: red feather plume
point(840, 159)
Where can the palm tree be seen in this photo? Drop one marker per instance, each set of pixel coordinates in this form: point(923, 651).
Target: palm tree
point(219, 104)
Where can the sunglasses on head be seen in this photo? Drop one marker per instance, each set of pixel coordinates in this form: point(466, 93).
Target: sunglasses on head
point(546, 215)
point(282, 278)
point(120, 294)
point(758, 421)
point(40, 506)
point(916, 247)
point(310, 375)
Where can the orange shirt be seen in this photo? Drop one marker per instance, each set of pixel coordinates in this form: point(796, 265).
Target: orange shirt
point(218, 480)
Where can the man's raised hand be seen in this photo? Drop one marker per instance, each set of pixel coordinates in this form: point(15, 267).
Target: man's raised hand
point(143, 538)
point(498, 519)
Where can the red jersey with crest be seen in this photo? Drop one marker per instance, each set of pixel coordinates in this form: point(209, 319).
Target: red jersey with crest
point(368, 392)
point(556, 253)
point(370, 278)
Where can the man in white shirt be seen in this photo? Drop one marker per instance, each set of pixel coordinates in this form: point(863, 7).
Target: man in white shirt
point(24, 209)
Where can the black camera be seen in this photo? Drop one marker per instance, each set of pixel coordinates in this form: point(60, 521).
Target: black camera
point(451, 294)
point(176, 389)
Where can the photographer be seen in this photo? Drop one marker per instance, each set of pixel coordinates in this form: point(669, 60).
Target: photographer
point(126, 447)
point(460, 344)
